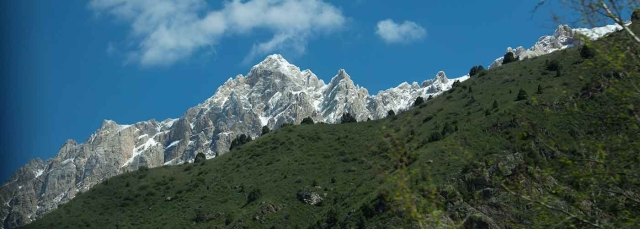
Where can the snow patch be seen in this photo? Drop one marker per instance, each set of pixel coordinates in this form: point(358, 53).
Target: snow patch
point(138, 150)
point(173, 144)
point(67, 161)
point(264, 120)
point(39, 172)
point(142, 136)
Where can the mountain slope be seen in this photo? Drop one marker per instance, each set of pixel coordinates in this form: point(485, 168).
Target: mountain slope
point(451, 154)
point(272, 93)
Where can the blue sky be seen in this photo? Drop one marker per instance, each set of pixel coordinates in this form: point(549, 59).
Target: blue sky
point(67, 65)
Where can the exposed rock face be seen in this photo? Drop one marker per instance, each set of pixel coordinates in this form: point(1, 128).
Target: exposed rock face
point(272, 93)
point(563, 37)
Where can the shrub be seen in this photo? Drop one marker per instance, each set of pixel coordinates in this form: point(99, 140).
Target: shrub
point(509, 57)
point(522, 95)
point(495, 104)
point(143, 169)
point(390, 113)
point(254, 195)
point(347, 118)
point(553, 65)
point(586, 52)
point(200, 158)
point(240, 140)
point(229, 219)
point(307, 121)
point(455, 84)
point(539, 89)
point(265, 130)
point(475, 70)
point(487, 112)
point(435, 136)
point(418, 101)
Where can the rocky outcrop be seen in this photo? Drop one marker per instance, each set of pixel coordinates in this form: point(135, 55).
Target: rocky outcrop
point(272, 93)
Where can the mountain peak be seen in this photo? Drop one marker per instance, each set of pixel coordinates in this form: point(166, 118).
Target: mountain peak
point(274, 61)
point(441, 77)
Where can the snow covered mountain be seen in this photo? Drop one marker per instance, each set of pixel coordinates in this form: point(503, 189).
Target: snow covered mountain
point(272, 93)
point(563, 37)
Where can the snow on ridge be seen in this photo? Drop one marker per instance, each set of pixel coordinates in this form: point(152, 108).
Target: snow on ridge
point(169, 122)
point(123, 127)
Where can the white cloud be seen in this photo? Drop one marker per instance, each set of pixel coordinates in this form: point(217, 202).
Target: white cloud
point(406, 32)
point(167, 31)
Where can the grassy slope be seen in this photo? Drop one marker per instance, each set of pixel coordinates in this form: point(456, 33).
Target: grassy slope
point(362, 158)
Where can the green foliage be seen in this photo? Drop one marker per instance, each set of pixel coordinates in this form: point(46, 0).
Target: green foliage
point(265, 130)
point(418, 101)
point(435, 136)
point(348, 118)
point(586, 52)
point(522, 95)
point(539, 91)
point(200, 158)
point(572, 148)
point(455, 84)
point(239, 141)
point(254, 195)
point(430, 97)
point(553, 65)
point(390, 113)
point(475, 70)
point(307, 121)
point(495, 104)
point(509, 57)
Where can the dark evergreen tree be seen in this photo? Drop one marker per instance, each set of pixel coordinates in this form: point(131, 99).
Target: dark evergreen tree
point(509, 57)
point(307, 121)
point(390, 113)
point(200, 157)
point(522, 95)
point(435, 136)
point(254, 195)
point(265, 130)
point(539, 89)
point(475, 70)
point(347, 118)
point(430, 97)
point(553, 65)
point(455, 84)
point(586, 52)
point(418, 101)
point(495, 104)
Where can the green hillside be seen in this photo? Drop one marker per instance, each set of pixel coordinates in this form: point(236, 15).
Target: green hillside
point(565, 156)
